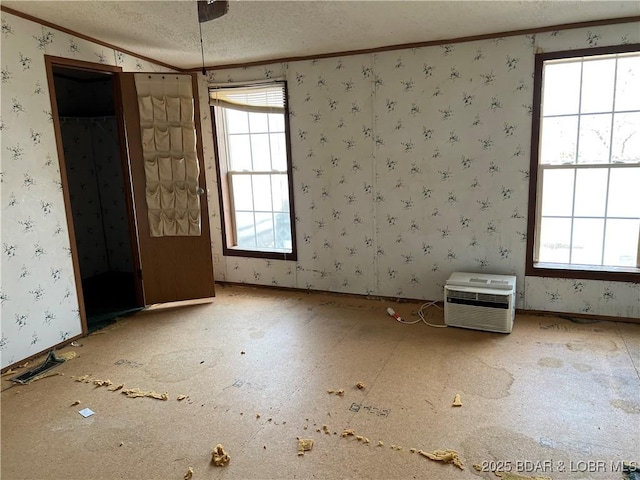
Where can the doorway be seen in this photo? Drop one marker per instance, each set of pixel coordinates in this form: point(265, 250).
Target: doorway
point(99, 200)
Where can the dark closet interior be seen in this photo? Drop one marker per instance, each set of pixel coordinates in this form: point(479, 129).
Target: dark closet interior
point(88, 123)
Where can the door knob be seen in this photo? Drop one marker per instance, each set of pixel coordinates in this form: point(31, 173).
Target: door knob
point(200, 190)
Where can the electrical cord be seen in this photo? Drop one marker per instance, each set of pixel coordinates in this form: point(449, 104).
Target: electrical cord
point(422, 318)
point(421, 310)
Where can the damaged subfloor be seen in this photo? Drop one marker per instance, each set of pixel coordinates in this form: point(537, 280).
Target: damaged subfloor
point(253, 371)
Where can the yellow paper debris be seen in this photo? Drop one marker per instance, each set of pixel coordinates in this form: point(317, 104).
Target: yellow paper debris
point(380, 443)
point(304, 445)
point(330, 391)
point(257, 415)
point(84, 378)
point(349, 431)
point(102, 383)
point(67, 355)
point(446, 456)
point(77, 402)
point(115, 388)
point(412, 450)
point(40, 377)
point(456, 401)
point(181, 397)
point(219, 457)
point(9, 372)
point(366, 440)
point(136, 392)
point(340, 392)
point(516, 476)
point(360, 385)
point(189, 474)
point(359, 438)
point(478, 467)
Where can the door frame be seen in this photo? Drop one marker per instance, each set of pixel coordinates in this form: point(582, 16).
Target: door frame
point(50, 63)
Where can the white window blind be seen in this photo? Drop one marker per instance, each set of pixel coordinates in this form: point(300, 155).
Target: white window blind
point(262, 98)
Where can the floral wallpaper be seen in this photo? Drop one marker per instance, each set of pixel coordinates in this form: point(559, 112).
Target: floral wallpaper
point(408, 165)
point(412, 164)
point(39, 305)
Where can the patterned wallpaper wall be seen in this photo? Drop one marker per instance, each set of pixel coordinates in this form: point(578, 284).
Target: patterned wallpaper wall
point(96, 188)
point(39, 305)
point(408, 165)
point(412, 164)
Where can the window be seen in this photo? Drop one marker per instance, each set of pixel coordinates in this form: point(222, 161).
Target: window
point(584, 219)
point(251, 136)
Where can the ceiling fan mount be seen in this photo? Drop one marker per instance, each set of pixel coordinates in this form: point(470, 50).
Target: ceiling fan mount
point(211, 9)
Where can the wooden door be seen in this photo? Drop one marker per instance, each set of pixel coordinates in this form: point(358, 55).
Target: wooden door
point(174, 268)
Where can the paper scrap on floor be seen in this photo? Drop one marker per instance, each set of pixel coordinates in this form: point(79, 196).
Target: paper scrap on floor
point(136, 392)
point(517, 476)
point(446, 456)
point(189, 474)
point(86, 412)
point(304, 445)
point(219, 457)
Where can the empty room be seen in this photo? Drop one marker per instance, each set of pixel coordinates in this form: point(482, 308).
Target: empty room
point(331, 239)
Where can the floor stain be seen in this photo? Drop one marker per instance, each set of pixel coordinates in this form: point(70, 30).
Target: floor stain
point(550, 362)
point(626, 406)
point(582, 367)
point(612, 382)
point(129, 363)
point(182, 364)
point(566, 327)
point(257, 334)
point(593, 345)
point(498, 448)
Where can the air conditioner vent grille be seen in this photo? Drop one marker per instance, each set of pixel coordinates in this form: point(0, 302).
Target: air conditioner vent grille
point(461, 295)
point(480, 297)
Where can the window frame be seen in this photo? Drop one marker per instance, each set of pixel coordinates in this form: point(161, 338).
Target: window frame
point(532, 268)
point(225, 197)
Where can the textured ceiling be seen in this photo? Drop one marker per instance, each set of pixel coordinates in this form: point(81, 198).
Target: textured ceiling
point(264, 30)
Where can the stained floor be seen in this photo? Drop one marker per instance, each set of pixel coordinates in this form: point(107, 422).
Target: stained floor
point(554, 398)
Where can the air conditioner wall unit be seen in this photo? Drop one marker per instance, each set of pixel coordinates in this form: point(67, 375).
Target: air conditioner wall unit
point(480, 301)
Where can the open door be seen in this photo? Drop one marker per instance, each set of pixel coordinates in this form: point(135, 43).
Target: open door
point(162, 122)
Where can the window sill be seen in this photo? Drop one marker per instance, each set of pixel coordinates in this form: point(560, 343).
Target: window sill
point(589, 272)
point(251, 253)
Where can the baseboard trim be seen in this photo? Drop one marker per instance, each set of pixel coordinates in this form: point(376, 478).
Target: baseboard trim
point(521, 311)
